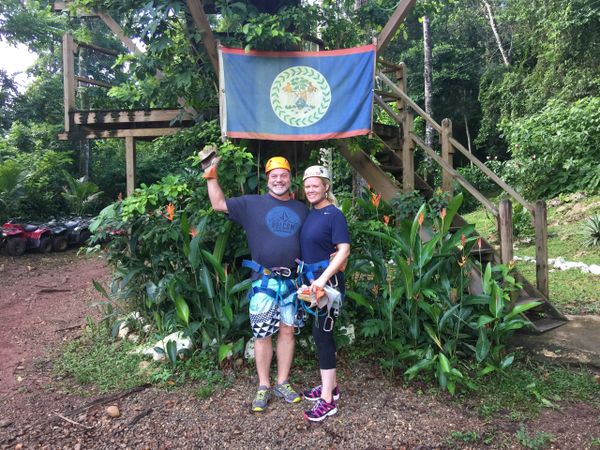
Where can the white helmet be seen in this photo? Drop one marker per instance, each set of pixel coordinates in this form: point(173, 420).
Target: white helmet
point(317, 171)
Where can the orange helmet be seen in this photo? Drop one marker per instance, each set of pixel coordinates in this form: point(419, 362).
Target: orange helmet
point(277, 162)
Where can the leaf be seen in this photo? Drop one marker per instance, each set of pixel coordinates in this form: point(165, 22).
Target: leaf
point(224, 350)
point(518, 309)
point(484, 320)
point(183, 310)
point(444, 363)
point(360, 300)
point(241, 286)
point(507, 361)
point(172, 351)
point(215, 263)
point(451, 211)
point(101, 289)
point(483, 346)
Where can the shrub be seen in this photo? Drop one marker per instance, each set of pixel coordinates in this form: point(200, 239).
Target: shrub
point(422, 314)
point(591, 231)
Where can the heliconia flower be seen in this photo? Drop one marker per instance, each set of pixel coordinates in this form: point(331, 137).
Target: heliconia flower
point(479, 243)
point(463, 261)
point(443, 213)
point(375, 199)
point(463, 240)
point(421, 218)
point(386, 220)
point(170, 211)
point(193, 232)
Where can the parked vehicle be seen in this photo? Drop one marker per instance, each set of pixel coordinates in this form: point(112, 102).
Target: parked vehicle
point(71, 231)
point(18, 237)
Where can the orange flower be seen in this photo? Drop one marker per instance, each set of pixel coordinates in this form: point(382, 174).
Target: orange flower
point(421, 219)
point(170, 211)
point(463, 240)
point(479, 243)
point(386, 220)
point(375, 199)
point(193, 232)
point(443, 213)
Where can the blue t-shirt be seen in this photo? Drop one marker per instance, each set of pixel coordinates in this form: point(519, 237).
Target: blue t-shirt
point(272, 226)
point(323, 229)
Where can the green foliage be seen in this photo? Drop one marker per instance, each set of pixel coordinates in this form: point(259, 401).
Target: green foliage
point(556, 144)
point(416, 291)
point(96, 360)
point(539, 441)
point(12, 176)
point(80, 195)
point(167, 252)
point(591, 231)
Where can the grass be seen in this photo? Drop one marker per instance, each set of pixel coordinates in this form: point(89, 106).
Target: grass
point(573, 291)
point(527, 387)
point(98, 364)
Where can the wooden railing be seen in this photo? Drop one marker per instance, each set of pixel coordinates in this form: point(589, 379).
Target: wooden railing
point(407, 108)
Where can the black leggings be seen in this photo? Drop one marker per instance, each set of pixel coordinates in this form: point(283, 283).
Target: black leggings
point(324, 340)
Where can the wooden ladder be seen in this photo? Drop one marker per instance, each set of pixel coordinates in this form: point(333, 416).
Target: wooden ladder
point(398, 149)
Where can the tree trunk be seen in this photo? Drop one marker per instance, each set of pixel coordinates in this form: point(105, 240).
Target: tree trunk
point(427, 70)
point(84, 144)
point(490, 16)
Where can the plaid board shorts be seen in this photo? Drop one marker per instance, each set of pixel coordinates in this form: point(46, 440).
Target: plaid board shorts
point(266, 312)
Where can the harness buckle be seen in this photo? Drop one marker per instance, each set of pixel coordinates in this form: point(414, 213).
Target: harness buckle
point(285, 272)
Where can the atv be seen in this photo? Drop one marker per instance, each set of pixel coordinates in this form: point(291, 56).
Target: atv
point(65, 232)
point(18, 237)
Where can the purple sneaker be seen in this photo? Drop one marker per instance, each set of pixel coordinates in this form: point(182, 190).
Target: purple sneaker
point(321, 410)
point(314, 394)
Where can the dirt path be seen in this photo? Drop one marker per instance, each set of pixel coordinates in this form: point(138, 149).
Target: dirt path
point(42, 297)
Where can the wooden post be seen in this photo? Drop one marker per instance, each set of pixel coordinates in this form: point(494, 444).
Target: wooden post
point(68, 52)
point(130, 163)
point(541, 247)
point(447, 155)
point(505, 227)
point(408, 158)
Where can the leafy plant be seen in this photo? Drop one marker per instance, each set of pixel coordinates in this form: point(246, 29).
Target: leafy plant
point(80, 193)
point(591, 231)
point(416, 288)
point(537, 442)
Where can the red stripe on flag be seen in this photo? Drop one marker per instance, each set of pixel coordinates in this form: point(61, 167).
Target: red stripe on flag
point(296, 137)
point(343, 51)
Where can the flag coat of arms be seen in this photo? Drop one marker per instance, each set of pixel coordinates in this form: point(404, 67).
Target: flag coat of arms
point(296, 96)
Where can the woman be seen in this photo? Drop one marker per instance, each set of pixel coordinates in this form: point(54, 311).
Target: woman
point(323, 233)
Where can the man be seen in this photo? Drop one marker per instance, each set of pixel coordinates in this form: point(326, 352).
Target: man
point(272, 222)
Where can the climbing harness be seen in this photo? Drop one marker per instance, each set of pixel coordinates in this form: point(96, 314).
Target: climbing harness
point(314, 301)
point(284, 277)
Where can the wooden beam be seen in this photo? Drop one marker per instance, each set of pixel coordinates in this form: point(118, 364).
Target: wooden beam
point(132, 116)
point(374, 175)
point(392, 25)
point(208, 39)
point(505, 228)
point(68, 46)
point(115, 28)
point(108, 134)
point(100, 83)
point(130, 164)
point(447, 154)
point(461, 180)
point(541, 247)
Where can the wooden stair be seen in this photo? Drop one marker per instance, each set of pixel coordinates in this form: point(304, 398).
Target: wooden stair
point(542, 318)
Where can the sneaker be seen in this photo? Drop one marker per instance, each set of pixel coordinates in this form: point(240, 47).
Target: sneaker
point(314, 394)
point(285, 391)
point(321, 410)
point(261, 399)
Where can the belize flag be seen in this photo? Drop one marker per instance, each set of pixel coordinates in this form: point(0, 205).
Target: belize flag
point(296, 96)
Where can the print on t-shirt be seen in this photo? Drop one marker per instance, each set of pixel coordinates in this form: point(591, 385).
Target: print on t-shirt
point(282, 221)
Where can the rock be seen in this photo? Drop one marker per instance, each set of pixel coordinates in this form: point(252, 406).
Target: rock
point(249, 350)
point(18, 446)
point(113, 411)
point(5, 423)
